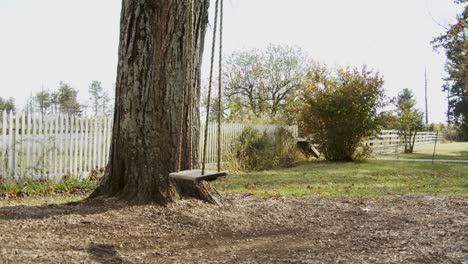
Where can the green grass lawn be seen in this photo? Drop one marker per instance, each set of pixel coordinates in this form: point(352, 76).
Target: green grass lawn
point(374, 178)
point(366, 179)
point(449, 151)
point(46, 191)
point(47, 199)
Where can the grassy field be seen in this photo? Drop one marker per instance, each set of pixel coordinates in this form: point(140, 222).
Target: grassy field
point(365, 179)
point(449, 151)
point(375, 178)
point(40, 192)
point(47, 199)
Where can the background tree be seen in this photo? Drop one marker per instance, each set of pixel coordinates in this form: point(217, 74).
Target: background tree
point(7, 104)
point(153, 46)
point(214, 108)
point(42, 102)
point(410, 119)
point(263, 82)
point(388, 120)
point(99, 98)
point(54, 102)
point(95, 90)
point(339, 108)
point(439, 127)
point(68, 99)
point(106, 106)
point(455, 44)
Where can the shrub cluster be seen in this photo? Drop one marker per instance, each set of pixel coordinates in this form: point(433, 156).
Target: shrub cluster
point(255, 150)
point(339, 108)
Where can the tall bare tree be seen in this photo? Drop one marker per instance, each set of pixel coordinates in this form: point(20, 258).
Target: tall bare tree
point(43, 101)
point(263, 82)
point(96, 95)
point(150, 75)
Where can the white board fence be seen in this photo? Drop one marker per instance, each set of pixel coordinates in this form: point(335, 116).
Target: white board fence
point(392, 141)
point(49, 147)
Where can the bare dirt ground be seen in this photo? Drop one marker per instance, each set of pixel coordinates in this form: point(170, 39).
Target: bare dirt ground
point(405, 229)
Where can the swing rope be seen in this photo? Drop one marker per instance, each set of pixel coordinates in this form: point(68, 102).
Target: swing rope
point(188, 61)
point(213, 45)
point(220, 106)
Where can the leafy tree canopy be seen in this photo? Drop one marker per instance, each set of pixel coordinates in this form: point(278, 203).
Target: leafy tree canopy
point(410, 119)
point(263, 82)
point(455, 44)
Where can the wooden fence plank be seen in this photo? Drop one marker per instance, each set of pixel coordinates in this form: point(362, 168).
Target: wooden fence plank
point(16, 147)
point(66, 153)
point(50, 146)
point(10, 146)
point(28, 145)
point(60, 147)
point(42, 147)
point(56, 146)
point(34, 145)
point(4, 144)
point(104, 140)
point(75, 146)
point(80, 162)
point(86, 154)
point(98, 143)
point(95, 144)
point(109, 138)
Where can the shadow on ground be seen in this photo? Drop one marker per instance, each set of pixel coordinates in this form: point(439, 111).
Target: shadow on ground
point(84, 207)
point(104, 253)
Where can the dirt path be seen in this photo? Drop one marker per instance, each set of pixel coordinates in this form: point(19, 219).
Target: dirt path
point(423, 160)
point(408, 229)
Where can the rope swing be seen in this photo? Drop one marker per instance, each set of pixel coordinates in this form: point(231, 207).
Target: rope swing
point(187, 89)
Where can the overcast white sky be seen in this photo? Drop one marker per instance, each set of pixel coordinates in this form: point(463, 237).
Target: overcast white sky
point(44, 42)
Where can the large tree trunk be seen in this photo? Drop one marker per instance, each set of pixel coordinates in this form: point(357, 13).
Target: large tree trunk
point(149, 86)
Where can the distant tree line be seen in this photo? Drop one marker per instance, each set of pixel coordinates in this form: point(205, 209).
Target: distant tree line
point(64, 100)
point(7, 104)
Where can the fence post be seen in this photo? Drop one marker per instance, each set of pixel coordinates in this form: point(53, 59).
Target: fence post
point(435, 144)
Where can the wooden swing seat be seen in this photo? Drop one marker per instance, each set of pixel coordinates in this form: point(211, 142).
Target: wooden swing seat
point(195, 175)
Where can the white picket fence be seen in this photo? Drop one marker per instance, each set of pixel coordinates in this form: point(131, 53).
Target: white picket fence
point(391, 141)
point(50, 147)
point(56, 145)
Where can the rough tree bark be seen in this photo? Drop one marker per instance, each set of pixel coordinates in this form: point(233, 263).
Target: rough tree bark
point(149, 84)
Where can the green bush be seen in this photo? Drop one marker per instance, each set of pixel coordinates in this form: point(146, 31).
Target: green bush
point(339, 108)
point(255, 150)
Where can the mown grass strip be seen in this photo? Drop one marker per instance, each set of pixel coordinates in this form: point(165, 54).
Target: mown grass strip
point(364, 179)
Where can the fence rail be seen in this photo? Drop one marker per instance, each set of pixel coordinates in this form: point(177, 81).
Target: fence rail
point(36, 147)
point(391, 141)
